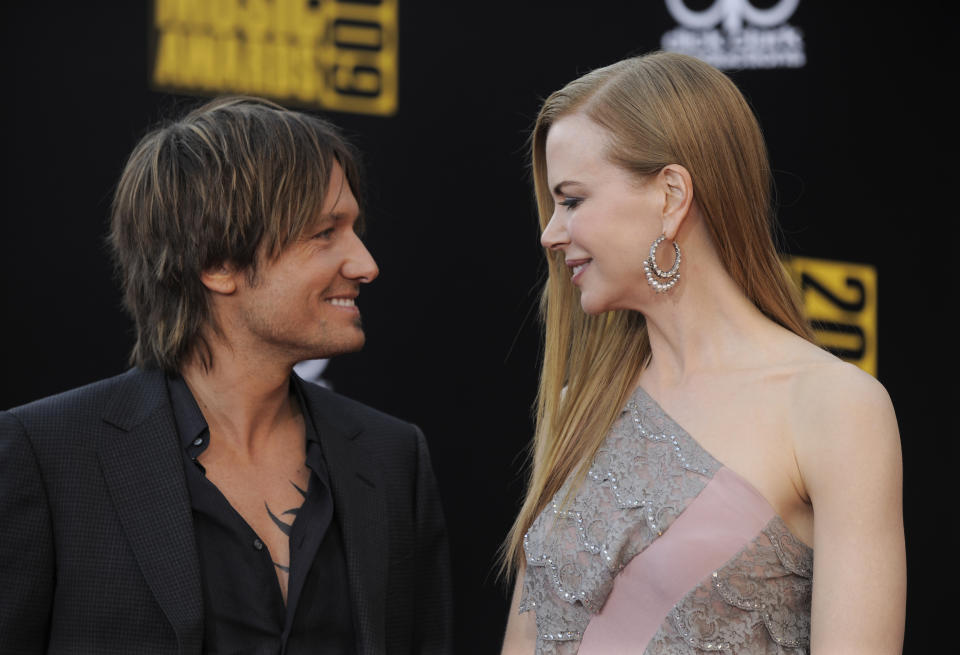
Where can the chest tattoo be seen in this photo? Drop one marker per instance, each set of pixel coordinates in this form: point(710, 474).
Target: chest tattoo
point(283, 526)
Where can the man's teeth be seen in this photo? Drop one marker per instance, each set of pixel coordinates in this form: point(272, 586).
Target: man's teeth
point(342, 302)
point(578, 268)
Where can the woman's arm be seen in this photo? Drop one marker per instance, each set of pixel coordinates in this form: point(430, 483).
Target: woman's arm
point(848, 450)
point(521, 635)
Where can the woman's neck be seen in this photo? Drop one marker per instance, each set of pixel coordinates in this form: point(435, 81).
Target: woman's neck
point(704, 324)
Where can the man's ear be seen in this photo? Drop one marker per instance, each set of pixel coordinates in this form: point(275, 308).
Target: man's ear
point(678, 198)
point(220, 279)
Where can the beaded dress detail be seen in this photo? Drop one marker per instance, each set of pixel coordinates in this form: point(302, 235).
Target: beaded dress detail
point(729, 577)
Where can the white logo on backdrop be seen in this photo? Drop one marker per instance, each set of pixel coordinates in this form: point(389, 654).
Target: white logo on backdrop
point(735, 34)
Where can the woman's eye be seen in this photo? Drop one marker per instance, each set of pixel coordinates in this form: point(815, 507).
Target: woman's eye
point(570, 202)
point(325, 234)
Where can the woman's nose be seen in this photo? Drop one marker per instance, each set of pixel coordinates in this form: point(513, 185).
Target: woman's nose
point(554, 236)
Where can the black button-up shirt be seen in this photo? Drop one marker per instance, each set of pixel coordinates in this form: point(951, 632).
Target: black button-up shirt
point(243, 605)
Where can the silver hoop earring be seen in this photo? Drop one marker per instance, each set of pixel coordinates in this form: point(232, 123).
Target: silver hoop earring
point(655, 274)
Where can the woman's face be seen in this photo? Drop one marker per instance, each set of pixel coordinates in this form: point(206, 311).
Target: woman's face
point(604, 218)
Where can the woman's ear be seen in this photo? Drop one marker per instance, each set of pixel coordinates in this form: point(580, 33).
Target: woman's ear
point(220, 279)
point(678, 186)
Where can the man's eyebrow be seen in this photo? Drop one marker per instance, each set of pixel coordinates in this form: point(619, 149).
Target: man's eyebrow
point(321, 219)
point(337, 217)
point(342, 215)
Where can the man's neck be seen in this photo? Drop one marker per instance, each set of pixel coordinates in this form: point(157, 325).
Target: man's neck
point(242, 403)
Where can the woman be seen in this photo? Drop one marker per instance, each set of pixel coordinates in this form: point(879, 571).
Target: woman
point(666, 306)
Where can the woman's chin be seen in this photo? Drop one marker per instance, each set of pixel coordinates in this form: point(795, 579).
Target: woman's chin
point(592, 307)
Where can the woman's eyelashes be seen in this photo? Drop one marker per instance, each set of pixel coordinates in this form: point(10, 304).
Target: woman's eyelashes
point(570, 202)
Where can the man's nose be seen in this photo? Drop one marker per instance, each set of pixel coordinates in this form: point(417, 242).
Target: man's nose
point(554, 236)
point(360, 265)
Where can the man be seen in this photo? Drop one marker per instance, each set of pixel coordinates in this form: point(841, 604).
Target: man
point(208, 500)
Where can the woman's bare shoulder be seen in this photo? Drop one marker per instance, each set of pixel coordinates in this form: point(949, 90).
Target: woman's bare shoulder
point(833, 390)
point(822, 385)
point(842, 424)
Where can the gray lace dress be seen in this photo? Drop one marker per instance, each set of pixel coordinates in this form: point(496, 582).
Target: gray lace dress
point(663, 550)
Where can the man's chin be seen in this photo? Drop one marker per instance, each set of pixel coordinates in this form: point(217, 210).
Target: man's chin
point(342, 346)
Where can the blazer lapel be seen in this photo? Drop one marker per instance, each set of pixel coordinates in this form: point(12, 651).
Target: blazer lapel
point(361, 509)
point(141, 462)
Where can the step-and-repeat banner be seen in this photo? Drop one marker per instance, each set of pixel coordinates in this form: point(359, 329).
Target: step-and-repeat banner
point(343, 56)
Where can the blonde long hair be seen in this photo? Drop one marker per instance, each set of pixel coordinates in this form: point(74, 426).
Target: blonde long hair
point(659, 109)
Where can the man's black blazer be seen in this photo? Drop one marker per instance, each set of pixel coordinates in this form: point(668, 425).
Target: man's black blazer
point(97, 551)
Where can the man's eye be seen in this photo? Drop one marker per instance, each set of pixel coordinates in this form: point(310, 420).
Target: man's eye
point(325, 234)
point(570, 202)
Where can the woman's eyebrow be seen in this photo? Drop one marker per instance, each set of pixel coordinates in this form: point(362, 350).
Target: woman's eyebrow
point(558, 189)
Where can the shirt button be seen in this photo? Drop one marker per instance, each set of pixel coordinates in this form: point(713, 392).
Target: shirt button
point(197, 441)
point(258, 544)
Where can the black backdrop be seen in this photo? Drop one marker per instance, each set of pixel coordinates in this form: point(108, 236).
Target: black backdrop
point(452, 338)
